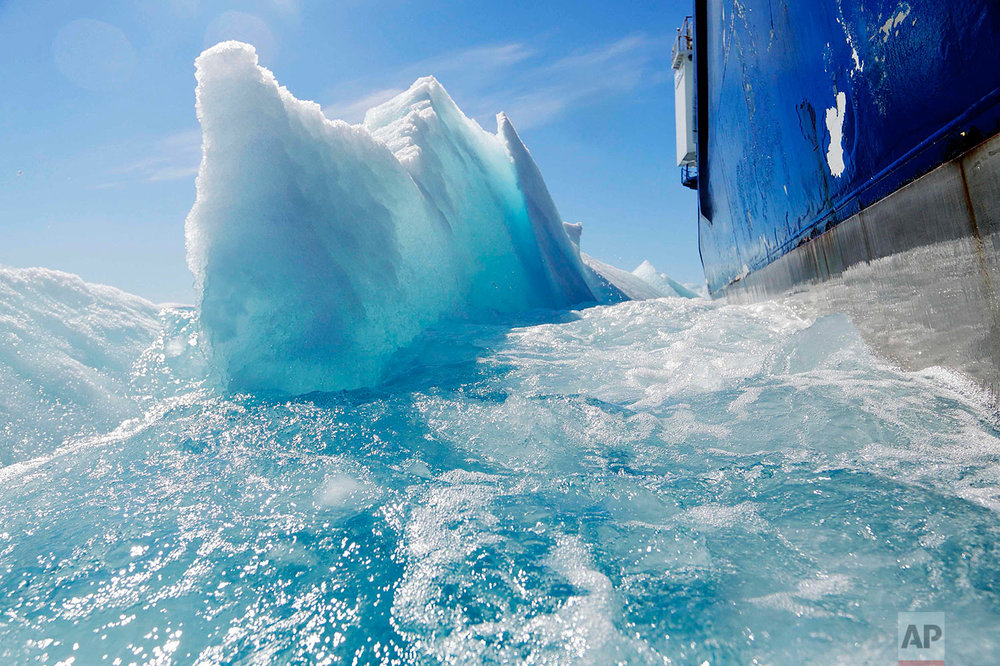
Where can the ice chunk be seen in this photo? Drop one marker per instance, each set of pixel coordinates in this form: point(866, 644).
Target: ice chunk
point(613, 285)
point(66, 351)
point(575, 232)
point(663, 282)
point(320, 249)
point(619, 282)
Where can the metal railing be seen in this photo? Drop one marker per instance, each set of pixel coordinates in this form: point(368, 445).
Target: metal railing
point(684, 43)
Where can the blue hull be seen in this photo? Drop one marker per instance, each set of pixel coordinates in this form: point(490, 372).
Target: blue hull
point(809, 112)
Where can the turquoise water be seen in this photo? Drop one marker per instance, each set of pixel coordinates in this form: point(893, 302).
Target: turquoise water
point(666, 481)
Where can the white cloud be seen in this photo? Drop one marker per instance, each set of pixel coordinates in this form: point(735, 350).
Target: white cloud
point(353, 110)
point(285, 8)
point(243, 27)
point(476, 62)
point(173, 173)
point(532, 86)
point(173, 157)
point(612, 53)
point(290, 8)
point(581, 78)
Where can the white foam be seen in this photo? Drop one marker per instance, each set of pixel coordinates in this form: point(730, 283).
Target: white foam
point(66, 351)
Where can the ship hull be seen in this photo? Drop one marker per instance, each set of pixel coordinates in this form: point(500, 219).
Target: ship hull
point(917, 272)
point(809, 112)
point(848, 159)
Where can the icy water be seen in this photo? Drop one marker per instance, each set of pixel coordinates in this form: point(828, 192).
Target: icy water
point(667, 481)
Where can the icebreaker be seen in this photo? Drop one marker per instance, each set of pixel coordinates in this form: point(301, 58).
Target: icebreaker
point(321, 248)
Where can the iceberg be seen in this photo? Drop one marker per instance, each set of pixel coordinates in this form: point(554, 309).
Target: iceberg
point(611, 284)
point(619, 285)
point(662, 282)
point(320, 249)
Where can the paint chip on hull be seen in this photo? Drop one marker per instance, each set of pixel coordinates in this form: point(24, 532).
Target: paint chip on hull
point(857, 60)
point(893, 22)
point(835, 126)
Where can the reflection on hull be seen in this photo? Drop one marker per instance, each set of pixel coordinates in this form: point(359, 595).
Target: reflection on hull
point(918, 272)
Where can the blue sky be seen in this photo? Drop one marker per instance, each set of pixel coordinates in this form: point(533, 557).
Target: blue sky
point(99, 143)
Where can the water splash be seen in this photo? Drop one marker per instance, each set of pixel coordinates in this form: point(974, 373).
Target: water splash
point(651, 482)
